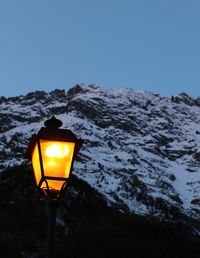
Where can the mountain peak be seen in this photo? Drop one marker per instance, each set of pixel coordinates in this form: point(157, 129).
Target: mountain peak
point(183, 97)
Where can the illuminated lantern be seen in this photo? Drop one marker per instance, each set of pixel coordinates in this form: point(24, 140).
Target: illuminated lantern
point(52, 152)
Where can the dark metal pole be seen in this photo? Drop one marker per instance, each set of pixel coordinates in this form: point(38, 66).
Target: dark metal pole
point(52, 205)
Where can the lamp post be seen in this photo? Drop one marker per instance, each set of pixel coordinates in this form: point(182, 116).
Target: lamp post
point(52, 152)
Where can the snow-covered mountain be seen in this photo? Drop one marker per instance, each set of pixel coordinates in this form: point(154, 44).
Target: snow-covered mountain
point(141, 151)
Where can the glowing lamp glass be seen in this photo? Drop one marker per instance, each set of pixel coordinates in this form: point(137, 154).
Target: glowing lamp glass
point(56, 161)
point(36, 164)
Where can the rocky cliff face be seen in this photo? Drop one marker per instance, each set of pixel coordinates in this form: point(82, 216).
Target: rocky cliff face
point(141, 151)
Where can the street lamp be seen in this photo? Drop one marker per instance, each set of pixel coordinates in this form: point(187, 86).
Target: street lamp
point(52, 152)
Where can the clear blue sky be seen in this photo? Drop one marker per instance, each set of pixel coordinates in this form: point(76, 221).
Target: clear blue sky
point(151, 45)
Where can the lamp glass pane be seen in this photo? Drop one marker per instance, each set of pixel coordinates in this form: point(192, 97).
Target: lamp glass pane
point(57, 158)
point(36, 164)
point(53, 184)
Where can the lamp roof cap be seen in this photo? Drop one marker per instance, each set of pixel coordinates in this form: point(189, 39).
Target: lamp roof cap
point(53, 123)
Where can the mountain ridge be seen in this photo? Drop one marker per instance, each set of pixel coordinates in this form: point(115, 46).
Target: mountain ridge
point(142, 151)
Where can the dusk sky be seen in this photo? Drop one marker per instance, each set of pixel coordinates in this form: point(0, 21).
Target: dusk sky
point(150, 45)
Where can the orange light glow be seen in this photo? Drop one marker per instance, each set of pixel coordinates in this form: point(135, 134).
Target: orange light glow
point(53, 184)
point(56, 160)
point(36, 164)
point(57, 151)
